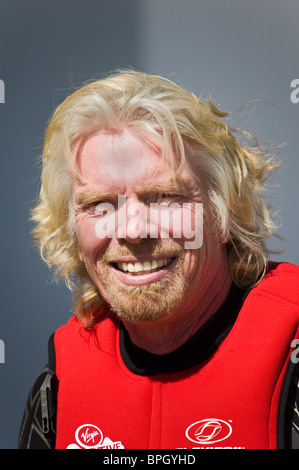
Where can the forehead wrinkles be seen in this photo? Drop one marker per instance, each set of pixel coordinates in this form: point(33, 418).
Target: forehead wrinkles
point(155, 143)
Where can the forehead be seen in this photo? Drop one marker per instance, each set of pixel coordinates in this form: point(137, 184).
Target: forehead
point(122, 161)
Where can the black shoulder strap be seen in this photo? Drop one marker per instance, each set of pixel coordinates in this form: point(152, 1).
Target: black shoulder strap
point(48, 394)
point(51, 353)
point(288, 422)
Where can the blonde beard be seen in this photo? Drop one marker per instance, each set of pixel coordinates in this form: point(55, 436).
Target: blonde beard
point(148, 302)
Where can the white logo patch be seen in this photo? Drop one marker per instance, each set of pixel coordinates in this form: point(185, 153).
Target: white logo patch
point(89, 436)
point(208, 431)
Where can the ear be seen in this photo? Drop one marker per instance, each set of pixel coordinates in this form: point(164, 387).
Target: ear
point(80, 254)
point(224, 239)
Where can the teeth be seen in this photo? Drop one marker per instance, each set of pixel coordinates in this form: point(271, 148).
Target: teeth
point(138, 267)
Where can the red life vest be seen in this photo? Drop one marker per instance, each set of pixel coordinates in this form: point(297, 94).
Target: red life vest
point(230, 400)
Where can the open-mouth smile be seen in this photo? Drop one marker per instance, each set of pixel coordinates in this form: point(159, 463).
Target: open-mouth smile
point(142, 272)
point(141, 267)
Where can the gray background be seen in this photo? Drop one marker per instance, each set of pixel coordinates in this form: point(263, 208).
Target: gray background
point(237, 50)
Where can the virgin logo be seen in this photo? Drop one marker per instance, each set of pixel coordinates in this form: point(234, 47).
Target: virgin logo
point(89, 436)
point(208, 431)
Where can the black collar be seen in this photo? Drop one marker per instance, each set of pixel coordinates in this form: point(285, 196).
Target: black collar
point(198, 348)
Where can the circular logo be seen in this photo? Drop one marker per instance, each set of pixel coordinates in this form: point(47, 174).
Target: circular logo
point(208, 431)
point(89, 436)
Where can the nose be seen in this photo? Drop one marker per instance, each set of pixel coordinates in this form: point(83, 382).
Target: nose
point(133, 220)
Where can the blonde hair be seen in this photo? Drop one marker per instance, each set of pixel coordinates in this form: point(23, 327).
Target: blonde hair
point(235, 174)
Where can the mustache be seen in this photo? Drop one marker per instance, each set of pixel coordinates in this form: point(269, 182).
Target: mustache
point(149, 248)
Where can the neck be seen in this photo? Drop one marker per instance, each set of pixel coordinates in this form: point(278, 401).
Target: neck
point(168, 334)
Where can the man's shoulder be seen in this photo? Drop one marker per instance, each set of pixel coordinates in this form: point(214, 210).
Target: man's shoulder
point(283, 272)
point(75, 325)
point(281, 281)
point(283, 267)
point(74, 336)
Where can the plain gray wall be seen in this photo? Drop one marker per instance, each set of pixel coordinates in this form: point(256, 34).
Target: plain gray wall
point(236, 50)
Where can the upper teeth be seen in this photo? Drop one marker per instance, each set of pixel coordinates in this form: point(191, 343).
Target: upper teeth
point(135, 267)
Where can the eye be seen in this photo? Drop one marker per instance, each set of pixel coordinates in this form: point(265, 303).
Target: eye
point(165, 197)
point(169, 200)
point(91, 206)
point(168, 195)
point(99, 208)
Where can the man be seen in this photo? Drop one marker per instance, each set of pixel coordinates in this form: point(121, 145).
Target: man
point(183, 334)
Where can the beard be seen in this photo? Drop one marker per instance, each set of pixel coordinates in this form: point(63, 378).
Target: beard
point(148, 302)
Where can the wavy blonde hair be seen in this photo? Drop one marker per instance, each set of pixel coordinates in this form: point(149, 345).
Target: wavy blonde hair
point(235, 173)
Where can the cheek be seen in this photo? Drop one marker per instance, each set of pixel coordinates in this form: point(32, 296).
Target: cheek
point(192, 263)
point(185, 224)
point(89, 242)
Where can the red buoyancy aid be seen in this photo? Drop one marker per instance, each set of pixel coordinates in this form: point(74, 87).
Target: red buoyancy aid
point(230, 400)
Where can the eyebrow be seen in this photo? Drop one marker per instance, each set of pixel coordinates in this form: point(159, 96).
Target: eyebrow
point(179, 184)
point(90, 195)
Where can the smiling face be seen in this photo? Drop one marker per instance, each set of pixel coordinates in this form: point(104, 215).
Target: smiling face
point(141, 273)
